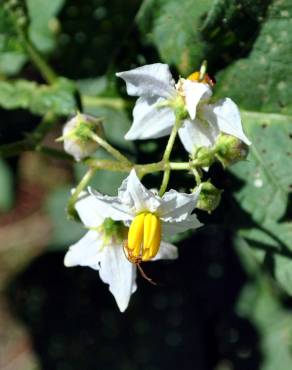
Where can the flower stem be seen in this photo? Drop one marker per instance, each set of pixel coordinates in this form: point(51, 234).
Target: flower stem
point(72, 200)
point(99, 101)
point(110, 149)
point(166, 155)
point(46, 71)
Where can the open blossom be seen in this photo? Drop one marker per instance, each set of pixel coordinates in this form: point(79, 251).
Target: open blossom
point(113, 249)
point(159, 95)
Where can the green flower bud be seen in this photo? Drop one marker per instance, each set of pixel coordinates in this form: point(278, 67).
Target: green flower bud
point(229, 150)
point(209, 197)
point(77, 135)
point(204, 157)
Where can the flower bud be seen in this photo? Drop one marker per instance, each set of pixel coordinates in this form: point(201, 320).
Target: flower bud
point(77, 135)
point(229, 150)
point(209, 197)
point(204, 157)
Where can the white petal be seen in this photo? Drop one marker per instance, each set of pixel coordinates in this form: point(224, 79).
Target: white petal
point(150, 120)
point(227, 116)
point(177, 205)
point(88, 210)
point(194, 134)
point(149, 80)
point(173, 227)
point(194, 92)
point(86, 252)
point(111, 207)
point(137, 198)
point(119, 273)
point(166, 251)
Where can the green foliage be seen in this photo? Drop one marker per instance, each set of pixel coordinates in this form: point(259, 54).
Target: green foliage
point(43, 25)
point(259, 304)
point(12, 53)
point(39, 99)
point(6, 186)
point(260, 82)
point(173, 27)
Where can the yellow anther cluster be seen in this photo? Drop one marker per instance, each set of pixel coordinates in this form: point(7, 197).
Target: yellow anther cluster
point(143, 238)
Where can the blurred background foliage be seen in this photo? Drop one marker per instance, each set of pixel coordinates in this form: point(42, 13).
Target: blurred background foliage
point(226, 303)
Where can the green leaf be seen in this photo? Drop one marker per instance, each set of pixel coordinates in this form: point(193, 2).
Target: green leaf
point(274, 323)
point(39, 99)
point(266, 175)
point(65, 231)
point(266, 185)
point(43, 25)
point(12, 53)
point(6, 186)
point(261, 80)
point(174, 28)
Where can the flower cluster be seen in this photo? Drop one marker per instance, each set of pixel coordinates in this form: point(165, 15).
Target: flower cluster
point(130, 228)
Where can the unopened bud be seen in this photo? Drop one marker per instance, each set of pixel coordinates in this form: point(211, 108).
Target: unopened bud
point(209, 197)
point(77, 135)
point(229, 150)
point(204, 157)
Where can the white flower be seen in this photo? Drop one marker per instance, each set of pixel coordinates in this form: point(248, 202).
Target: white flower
point(154, 116)
point(150, 217)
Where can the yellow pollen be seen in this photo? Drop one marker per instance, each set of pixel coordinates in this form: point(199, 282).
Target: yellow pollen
point(143, 238)
point(195, 76)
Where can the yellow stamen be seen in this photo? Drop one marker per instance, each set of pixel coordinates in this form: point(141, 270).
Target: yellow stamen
point(144, 237)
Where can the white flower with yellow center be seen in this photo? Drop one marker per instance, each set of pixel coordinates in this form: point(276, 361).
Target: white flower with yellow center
point(154, 112)
point(113, 249)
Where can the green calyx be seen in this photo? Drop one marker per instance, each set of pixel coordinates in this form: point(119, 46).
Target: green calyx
point(114, 229)
point(209, 197)
point(229, 150)
point(204, 157)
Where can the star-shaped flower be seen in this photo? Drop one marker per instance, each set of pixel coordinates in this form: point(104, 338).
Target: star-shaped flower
point(113, 249)
point(154, 112)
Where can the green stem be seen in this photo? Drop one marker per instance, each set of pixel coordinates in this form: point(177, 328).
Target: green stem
point(96, 101)
point(197, 176)
point(73, 199)
point(166, 156)
point(46, 71)
point(141, 169)
point(110, 149)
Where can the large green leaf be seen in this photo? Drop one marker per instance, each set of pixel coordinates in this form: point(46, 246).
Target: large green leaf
point(39, 99)
point(261, 81)
point(174, 28)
